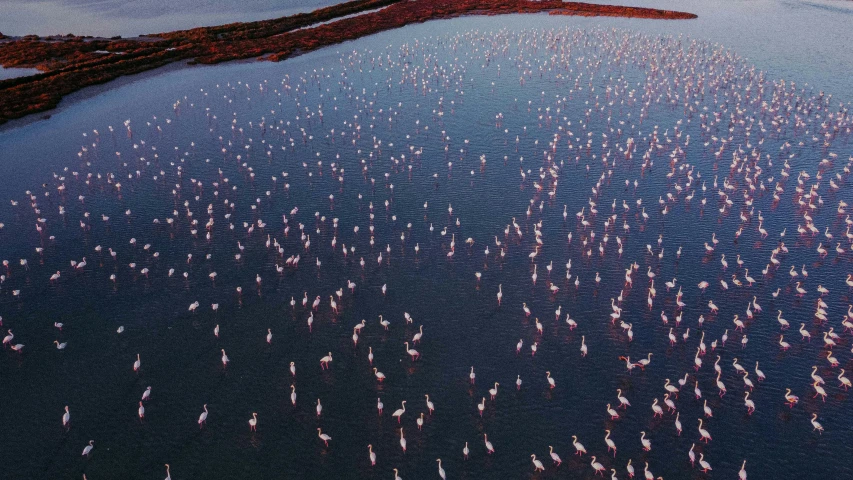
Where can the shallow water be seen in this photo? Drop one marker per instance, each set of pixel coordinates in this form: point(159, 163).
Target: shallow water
point(463, 326)
point(799, 41)
point(16, 72)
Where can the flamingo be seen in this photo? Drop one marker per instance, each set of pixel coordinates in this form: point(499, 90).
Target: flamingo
point(579, 448)
point(554, 456)
point(819, 391)
point(325, 438)
point(671, 388)
point(537, 465)
point(489, 448)
point(325, 361)
point(614, 415)
point(412, 352)
point(647, 444)
point(790, 399)
point(441, 472)
point(623, 401)
point(705, 465)
point(815, 424)
point(599, 468)
point(750, 405)
point(706, 437)
point(202, 419)
point(845, 382)
point(399, 412)
point(678, 422)
point(648, 474)
point(610, 444)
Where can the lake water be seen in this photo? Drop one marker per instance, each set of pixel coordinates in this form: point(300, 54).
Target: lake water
point(16, 72)
point(138, 17)
point(467, 88)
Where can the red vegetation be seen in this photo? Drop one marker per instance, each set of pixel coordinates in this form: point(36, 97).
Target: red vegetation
point(71, 63)
point(593, 10)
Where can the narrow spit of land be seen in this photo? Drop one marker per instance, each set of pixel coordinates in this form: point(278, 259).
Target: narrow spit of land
point(69, 63)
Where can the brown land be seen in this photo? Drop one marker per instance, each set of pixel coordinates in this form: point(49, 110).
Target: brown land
point(71, 63)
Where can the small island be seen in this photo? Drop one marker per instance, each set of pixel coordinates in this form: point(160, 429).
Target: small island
point(70, 63)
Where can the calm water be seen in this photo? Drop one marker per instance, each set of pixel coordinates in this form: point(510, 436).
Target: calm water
point(463, 326)
point(137, 17)
point(16, 72)
point(778, 36)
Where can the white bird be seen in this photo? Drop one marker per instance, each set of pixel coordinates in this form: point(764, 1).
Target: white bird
point(399, 412)
point(202, 419)
point(325, 438)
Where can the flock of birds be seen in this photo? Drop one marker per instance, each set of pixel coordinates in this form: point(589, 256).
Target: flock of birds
point(761, 166)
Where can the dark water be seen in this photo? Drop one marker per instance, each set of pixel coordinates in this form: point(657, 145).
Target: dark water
point(458, 75)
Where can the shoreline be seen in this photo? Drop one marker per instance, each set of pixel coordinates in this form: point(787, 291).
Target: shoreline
point(69, 64)
point(90, 91)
